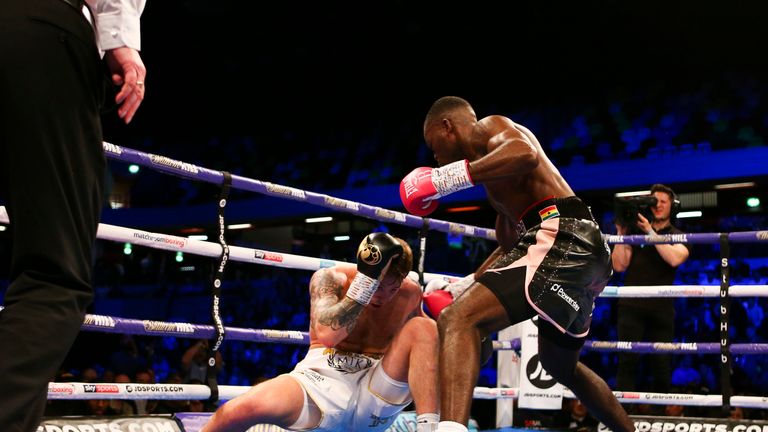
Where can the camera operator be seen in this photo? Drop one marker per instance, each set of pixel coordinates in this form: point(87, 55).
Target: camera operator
point(648, 319)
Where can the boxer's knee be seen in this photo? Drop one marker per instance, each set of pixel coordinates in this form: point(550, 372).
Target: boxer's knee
point(454, 318)
point(559, 367)
point(421, 331)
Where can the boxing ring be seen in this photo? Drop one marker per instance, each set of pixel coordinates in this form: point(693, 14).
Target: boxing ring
point(219, 334)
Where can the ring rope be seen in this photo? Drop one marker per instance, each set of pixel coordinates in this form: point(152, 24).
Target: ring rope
point(187, 170)
point(691, 238)
point(686, 399)
point(300, 262)
point(80, 390)
point(688, 291)
point(191, 171)
point(213, 249)
point(111, 324)
point(652, 347)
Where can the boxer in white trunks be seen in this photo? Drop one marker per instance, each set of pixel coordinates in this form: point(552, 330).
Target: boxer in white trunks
point(372, 352)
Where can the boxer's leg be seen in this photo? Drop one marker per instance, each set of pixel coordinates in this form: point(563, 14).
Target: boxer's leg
point(559, 355)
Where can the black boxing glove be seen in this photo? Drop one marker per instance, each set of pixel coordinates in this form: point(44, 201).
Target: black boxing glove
point(373, 256)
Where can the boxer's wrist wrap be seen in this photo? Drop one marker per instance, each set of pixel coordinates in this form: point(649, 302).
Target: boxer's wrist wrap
point(452, 177)
point(362, 288)
point(457, 288)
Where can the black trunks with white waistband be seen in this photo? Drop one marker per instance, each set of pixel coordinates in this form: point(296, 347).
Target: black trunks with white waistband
point(559, 266)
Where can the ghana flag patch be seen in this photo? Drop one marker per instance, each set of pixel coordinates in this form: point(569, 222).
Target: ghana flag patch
point(548, 212)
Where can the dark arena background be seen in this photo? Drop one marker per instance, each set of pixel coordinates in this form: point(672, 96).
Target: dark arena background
point(330, 97)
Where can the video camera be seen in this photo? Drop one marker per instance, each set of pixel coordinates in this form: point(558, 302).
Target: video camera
point(626, 210)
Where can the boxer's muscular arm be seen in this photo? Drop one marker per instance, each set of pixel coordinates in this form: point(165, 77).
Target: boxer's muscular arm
point(621, 256)
point(505, 235)
point(510, 153)
point(417, 310)
point(622, 253)
point(333, 315)
point(489, 261)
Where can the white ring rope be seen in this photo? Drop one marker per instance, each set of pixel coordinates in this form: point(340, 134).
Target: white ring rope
point(656, 291)
point(79, 390)
point(286, 260)
point(211, 249)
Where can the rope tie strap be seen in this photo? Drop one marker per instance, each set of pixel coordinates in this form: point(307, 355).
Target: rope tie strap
point(218, 323)
point(725, 343)
point(422, 251)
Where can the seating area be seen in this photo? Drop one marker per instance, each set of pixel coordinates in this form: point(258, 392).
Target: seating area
point(662, 120)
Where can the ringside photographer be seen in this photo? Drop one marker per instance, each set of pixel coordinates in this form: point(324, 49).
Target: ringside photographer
point(647, 319)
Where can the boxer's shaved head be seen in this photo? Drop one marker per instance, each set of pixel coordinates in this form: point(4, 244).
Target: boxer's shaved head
point(443, 107)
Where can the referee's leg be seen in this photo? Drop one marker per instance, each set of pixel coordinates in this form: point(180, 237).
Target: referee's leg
point(52, 167)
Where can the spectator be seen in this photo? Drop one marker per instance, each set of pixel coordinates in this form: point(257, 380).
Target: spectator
point(685, 374)
point(89, 375)
point(126, 360)
point(194, 362)
point(641, 319)
point(144, 406)
point(122, 406)
point(574, 415)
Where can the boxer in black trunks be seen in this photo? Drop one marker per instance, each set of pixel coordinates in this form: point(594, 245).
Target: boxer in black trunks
point(551, 260)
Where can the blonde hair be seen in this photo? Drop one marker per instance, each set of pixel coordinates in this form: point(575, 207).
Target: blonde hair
point(402, 265)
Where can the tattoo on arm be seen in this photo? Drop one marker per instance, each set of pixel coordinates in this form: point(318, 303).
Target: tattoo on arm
point(341, 315)
point(331, 308)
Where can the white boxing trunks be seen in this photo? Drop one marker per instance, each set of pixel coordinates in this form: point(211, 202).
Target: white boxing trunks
point(351, 390)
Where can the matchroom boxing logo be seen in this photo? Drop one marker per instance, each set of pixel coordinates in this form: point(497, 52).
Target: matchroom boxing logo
point(537, 375)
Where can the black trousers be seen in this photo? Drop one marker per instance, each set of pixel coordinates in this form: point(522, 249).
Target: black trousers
point(645, 325)
point(52, 171)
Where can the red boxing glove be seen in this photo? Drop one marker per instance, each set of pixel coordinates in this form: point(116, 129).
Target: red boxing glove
point(421, 188)
point(417, 192)
point(436, 301)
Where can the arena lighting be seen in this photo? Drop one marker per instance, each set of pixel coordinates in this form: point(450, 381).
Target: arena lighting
point(133, 168)
point(2, 228)
point(318, 219)
point(239, 226)
point(462, 209)
point(689, 214)
point(633, 193)
point(341, 238)
point(127, 249)
point(735, 185)
point(753, 202)
point(202, 237)
point(179, 256)
point(191, 230)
